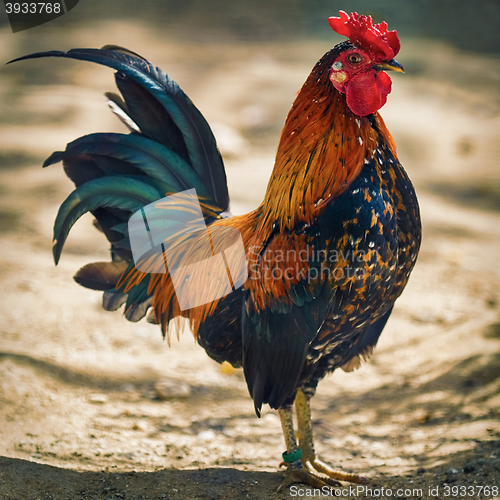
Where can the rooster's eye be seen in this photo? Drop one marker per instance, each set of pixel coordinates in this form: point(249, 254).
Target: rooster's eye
point(354, 58)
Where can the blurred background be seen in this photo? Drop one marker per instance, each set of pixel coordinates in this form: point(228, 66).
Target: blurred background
point(69, 370)
point(470, 26)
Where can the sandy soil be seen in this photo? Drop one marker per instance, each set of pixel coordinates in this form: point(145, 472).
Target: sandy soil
point(92, 406)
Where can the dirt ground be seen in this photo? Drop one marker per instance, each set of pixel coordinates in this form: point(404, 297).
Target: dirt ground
point(95, 407)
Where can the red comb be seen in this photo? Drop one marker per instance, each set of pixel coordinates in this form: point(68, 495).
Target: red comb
point(360, 30)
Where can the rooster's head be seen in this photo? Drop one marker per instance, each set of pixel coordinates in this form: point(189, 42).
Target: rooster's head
point(358, 70)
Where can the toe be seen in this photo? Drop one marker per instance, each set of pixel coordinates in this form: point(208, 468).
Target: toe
point(338, 474)
point(308, 476)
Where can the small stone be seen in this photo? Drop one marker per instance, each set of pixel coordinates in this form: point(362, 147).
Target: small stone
point(492, 302)
point(170, 389)
point(207, 435)
point(127, 388)
point(427, 316)
point(469, 467)
point(424, 417)
point(98, 399)
point(140, 426)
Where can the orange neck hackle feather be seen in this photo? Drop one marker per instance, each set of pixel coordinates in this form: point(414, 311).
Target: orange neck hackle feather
point(322, 149)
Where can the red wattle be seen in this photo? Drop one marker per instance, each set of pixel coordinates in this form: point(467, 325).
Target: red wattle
point(367, 92)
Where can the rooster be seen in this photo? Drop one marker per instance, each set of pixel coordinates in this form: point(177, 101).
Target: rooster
point(327, 252)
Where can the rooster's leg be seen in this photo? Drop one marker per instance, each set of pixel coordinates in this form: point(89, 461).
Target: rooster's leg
point(306, 443)
point(296, 473)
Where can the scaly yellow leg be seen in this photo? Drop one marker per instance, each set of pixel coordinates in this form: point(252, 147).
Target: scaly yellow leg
point(295, 472)
point(306, 444)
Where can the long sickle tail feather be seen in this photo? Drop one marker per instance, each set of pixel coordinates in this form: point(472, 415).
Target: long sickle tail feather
point(170, 148)
point(161, 110)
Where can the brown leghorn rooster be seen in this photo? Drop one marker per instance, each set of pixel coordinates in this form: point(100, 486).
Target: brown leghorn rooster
point(328, 251)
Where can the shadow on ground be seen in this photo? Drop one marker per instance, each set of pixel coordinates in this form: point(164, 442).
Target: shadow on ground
point(25, 480)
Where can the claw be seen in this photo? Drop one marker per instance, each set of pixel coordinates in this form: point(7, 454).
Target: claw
point(322, 473)
point(312, 478)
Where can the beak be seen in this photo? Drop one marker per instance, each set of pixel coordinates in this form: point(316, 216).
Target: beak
point(389, 66)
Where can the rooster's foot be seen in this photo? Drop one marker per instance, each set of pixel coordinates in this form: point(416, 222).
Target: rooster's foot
point(306, 475)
